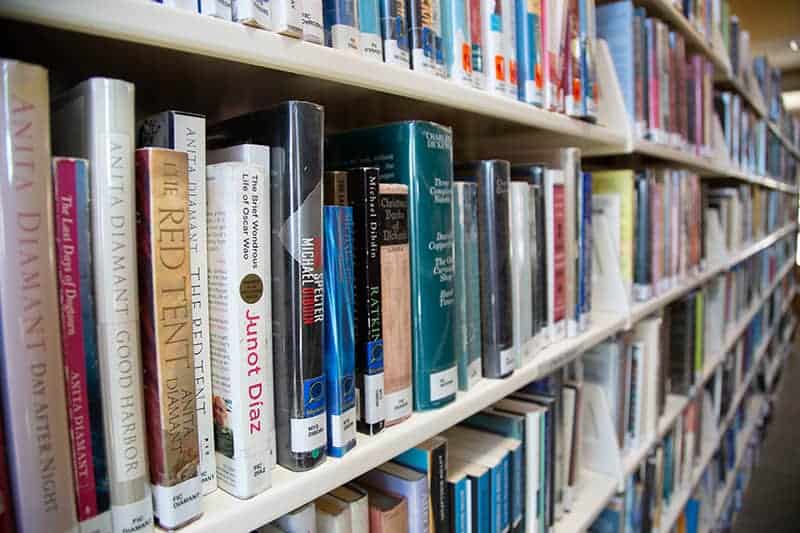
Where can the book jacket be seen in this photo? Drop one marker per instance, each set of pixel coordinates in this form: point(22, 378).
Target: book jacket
point(394, 29)
point(341, 25)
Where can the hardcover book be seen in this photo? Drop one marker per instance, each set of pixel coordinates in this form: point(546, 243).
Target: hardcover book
point(555, 241)
point(34, 404)
point(162, 228)
point(394, 29)
point(418, 154)
point(79, 342)
point(467, 311)
point(369, 24)
point(333, 515)
point(395, 301)
point(95, 121)
point(363, 196)
point(256, 13)
point(311, 16)
point(412, 485)
point(521, 280)
point(341, 25)
point(293, 131)
point(339, 337)
point(529, 48)
point(554, 14)
point(478, 60)
point(388, 512)
point(287, 17)
point(456, 41)
point(493, 45)
point(187, 132)
point(497, 342)
point(510, 48)
point(357, 503)
point(423, 35)
point(430, 458)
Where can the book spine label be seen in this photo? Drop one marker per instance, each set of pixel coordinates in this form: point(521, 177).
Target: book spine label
point(237, 229)
point(34, 403)
point(313, 29)
point(370, 29)
point(69, 238)
point(189, 135)
point(256, 13)
point(396, 300)
point(493, 45)
point(339, 334)
point(394, 28)
point(165, 289)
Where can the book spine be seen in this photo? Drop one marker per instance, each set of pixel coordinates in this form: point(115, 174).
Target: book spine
point(543, 257)
point(528, 30)
point(369, 359)
point(573, 92)
point(369, 26)
point(311, 16)
point(587, 243)
point(341, 25)
point(477, 49)
point(216, 8)
point(287, 17)
point(521, 280)
point(510, 48)
point(78, 339)
point(162, 180)
point(457, 494)
point(395, 301)
point(455, 38)
point(256, 13)
point(394, 29)
point(467, 324)
point(493, 48)
point(238, 301)
point(6, 498)
point(34, 402)
point(422, 35)
point(339, 338)
point(440, 510)
point(559, 259)
point(536, 274)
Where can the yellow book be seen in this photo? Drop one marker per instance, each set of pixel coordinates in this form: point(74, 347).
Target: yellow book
point(621, 184)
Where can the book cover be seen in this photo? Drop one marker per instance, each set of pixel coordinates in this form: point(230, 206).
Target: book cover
point(571, 62)
point(95, 121)
point(479, 483)
point(457, 50)
point(497, 341)
point(521, 278)
point(187, 132)
point(332, 515)
point(586, 244)
point(430, 458)
point(162, 230)
point(312, 23)
point(356, 500)
point(458, 497)
point(587, 20)
point(643, 256)
point(301, 520)
point(510, 48)
point(395, 301)
point(406, 482)
point(216, 8)
point(256, 13)
point(369, 25)
point(287, 17)
point(72, 225)
point(394, 30)
point(493, 46)
point(467, 308)
point(34, 403)
point(363, 196)
point(293, 131)
point(423, 35)
point(342, 25)
point(339, 338)
point(418, 154)
point(555, 241)
point(529, 61)
point(479, 73)
point(554, 15)
point(388, 512)
point(621, 184)
point(615, 24)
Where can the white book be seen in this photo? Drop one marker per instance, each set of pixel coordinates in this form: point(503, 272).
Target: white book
point(494, 64)
point(239, 296)
point(216, 8)
point(301, 520)
point(358, 506)
point(555, 12)
point(287, 17)
point(521, 278)
point(510, 47)
point(33, 396)
point(557, 328)
point(647, 332)
point(333, 515)
point(257, 13)
point(186, 5)
point(313, 30)
point(95, 121)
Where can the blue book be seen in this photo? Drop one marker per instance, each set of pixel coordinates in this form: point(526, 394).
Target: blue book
point(369, 24)
point(424, 37)
point(669, 459)
point(458, 497)
point(407, 482)
point(497, 461)
point(692, 513)
point(430, 458)
point(586, 252)
point(456, 48)
point(529, 61)
point(341, 25)
point(394, 31)
point(479, 488)
point(339, 339)
point(588, 74)
point(610, 520)
point(615, 25)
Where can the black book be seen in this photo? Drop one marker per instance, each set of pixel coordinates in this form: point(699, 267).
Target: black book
point(492, 177)
point(294, 132)
point(363, 184)
point(648, 494)
point(643, 245)
point(536, 180)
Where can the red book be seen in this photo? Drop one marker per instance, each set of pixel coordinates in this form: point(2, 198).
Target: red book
point(560, 256)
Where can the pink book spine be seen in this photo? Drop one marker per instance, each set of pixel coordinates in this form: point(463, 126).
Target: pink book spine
point(697, 75)
point(543, 38)
point(72, 334)
point(559, 255)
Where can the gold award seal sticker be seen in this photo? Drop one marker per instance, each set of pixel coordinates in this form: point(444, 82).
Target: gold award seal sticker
point(251, 288)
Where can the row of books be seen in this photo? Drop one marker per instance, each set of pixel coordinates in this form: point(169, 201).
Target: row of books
point(668, 92)
point(541, 53)
point(509, 467)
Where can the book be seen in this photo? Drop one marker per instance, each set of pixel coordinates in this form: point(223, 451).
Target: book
point(529, 60)
point(430, 458)
point(586, 242)
point(162, 229)
point(497, 342)
point(423, 35)
point(621, 184)
point(554, 14)
point(479, 488)
point(311, 17)
point(421, 158)
point(301, 520)
point(587, 28)
point(363, 196)
point(394, 30)
point(239, 298)
point(555, 242)
point(287, 17)
point(510, 48)
point(395, 301)
point(412, 485)
point(369, 25)
point(521, 277)
point(216, 8)
point(256, 13)
point(187, 132)
point(72, 210)
point(333, 515)
point(493, 46)
point(478, 59)
point(388, 512)
point(457, 50)
point(34, 401)
point(459, 499)
point(297, 262)
point(615, 24)
point(337, 245)
point(467, 309)
point(357, 503)
point(95, 121)
point(341, 25)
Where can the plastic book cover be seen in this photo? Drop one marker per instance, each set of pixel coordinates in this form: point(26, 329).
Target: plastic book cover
point(341, 25)
point(479, 73)
point(493, 46)
point(588, 66)
point(313, 26)
point(423, 36)
point(456, 41)
point(529, 35)
point(521, 280)
point(395, 29)
point(615, 24)
point(369, 25)
point(510, 48)
point(430, 457)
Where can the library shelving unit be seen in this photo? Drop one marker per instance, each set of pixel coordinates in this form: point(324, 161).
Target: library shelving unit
point(189, 61)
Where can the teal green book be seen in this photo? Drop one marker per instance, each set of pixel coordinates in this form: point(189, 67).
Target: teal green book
point(420, 155)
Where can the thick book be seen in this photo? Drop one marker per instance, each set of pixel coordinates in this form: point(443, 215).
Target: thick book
point(528, 15)
point(388, 511)
point(72, 209)
point(293, 131)
point(430, 458)
point(497, 342)
point(364, 198)
point(95, 121)
point(369, 25)
point(34, 402)
point(418, 154)
point(467, 309)
point(239, 299)
point(457, 50)
point(337, 245)
point(395, 301)
point(301, 520)
point(341, 25)
point(187, 132)
point(394, 31)
point(521, 276)
point(407, 482)
point(256, 13)
point(162, 230)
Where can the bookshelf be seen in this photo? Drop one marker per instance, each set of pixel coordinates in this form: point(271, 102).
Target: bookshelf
point(228, 53)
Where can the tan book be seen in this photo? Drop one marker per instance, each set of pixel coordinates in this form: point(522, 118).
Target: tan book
point(388, 512)
point(333, 515)
point(165, 290)
point(395, 301)
point(358, 505)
